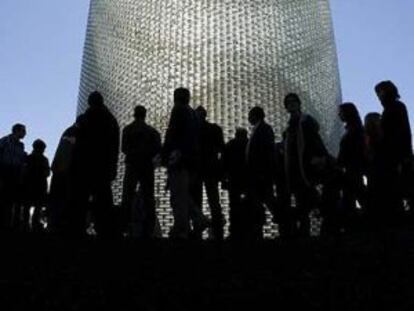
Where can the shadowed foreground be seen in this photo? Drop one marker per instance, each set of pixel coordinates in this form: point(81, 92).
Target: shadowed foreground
point(351, 273)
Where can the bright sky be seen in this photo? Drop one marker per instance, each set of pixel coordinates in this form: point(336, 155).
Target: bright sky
point(41, 44)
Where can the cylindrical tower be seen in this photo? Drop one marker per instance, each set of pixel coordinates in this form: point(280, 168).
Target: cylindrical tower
point(231, 54)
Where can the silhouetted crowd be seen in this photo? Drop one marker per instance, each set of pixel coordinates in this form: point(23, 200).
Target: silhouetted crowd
point(368, 186)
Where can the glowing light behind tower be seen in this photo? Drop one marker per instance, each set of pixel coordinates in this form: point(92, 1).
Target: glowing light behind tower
point(231, 54)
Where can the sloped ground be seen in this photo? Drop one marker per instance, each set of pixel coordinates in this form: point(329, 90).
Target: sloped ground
point(347, 273)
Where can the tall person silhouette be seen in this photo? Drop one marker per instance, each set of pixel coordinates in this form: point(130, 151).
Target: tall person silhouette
point(37, 171)
point(181, 155)
point(260, 161)
point(94, 167)
point(352, 162)
point(141, 143)
point(235, 180)
point(62, 170)
point(394, 152)
point(12, 161)
point(210, 170)
point(304, 155)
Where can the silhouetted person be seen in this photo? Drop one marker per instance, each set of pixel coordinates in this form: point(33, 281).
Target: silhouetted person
point(181, 155)
point(37, 170)
point(373, 134)
point(12, 160)
point(211, 143)
point(94, 167)
point(235, 180)
point(352, 162)
point(140, 144)
point(260, 160)
point(394, 153)
point(305, 156)
point(60, 192)
point(373, 139)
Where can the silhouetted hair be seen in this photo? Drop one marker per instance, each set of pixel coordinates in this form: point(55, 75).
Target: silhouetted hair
point(257, 112)
point(17, 127)
point(202, 111)
point(292, 96)
point(182, 96)
point(389, 88)
point(140, 112)
point(95, 99)
point(351, 115)
point(372, 123)
point(39, 145)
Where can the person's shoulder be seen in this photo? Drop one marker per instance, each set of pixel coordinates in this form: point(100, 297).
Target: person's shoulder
point(152, 129)
point(266, 127)
point(310, 121)
point(129, 126)
point(401, 106)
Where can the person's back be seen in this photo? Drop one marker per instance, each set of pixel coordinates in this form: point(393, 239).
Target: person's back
point(97, 146)
point(12, 154)
point(12, 160)
point(93, 168)
point(235, 157)
point(395, 151)
point(260, 151)
point(62, 160)
point(180, 154)
point(305, 158)
point(37, 170)
point(260, 161)
point(181, 138)
point(62, 170)
point(211, 142)
point(397, 143)
point(140, 144)
point(235, 181)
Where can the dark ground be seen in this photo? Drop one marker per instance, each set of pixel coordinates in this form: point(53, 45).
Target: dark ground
point(347, 273)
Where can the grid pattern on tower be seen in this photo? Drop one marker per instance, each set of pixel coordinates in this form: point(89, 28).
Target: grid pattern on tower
point(231, 54)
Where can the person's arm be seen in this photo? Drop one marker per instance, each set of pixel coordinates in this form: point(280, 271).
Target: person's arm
point(2, 147)
point(115, 149)
point(172, 134)
point(157, 142)
point(405, 134)
point(125, 143)
point(46, 168)
point(319, 146)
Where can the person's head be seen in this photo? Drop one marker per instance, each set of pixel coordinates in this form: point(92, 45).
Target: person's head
point(292, 103)
point(256, 115)
point(348, 113)
point(182, 96)
point(39, 146)
point(19, 131)
point(372, 123)
point(95, 100)
point(201, 113)
point(140, 113)
point(241, 133)
point(387, 92)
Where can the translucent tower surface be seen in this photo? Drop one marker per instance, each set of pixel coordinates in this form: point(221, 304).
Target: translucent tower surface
point(231, 54)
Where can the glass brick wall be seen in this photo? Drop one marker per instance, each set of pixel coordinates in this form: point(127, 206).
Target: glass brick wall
point(231, 54)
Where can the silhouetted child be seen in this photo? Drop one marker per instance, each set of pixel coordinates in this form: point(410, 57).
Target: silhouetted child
point(351, 160)
point(36, 173)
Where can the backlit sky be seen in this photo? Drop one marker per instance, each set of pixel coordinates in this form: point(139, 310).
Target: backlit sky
point(41, 44)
